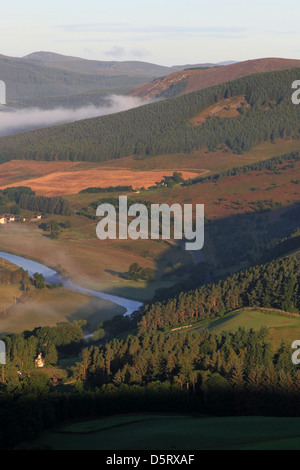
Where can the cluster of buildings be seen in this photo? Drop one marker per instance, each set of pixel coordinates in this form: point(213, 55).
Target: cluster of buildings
point(9, 218)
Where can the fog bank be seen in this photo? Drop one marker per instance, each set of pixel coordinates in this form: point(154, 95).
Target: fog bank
point(14, 121)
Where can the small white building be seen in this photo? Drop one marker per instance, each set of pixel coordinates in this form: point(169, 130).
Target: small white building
point(39, 361)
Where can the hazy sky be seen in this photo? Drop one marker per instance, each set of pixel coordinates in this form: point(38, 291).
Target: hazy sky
point(161, 31)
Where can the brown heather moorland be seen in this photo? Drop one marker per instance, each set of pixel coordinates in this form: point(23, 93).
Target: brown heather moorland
point(199, 79)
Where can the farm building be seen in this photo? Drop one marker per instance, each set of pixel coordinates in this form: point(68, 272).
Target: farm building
point(7, 218)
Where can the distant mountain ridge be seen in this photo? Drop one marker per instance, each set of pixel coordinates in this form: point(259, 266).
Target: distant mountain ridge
point(26, 80)
point(77, 64)
point(106, 68)
point(43, 75)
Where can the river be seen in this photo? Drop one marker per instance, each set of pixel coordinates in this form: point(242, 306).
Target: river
point(54, 277)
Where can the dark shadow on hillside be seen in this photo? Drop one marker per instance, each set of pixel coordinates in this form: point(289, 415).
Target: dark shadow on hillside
point(238, 242)
point(220, 322)
point(120, 275)
point(96, 312)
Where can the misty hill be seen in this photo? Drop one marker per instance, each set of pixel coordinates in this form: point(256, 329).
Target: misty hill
point(164, 127)
point(106, 68)
point(26, 80)
point(46, 80)
point(98, 98)
point(187, 81)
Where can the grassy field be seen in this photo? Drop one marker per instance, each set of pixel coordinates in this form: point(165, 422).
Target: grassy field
point(152, 432)
point(282, 328)
point(8, 294)
point(49, 307)
point(100, 265)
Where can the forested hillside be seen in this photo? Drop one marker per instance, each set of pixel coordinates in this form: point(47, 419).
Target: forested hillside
point(274, 285)
point(231, 362)
point(164, 127)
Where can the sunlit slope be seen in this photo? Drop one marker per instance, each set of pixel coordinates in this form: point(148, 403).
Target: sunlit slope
point(283, 326)
point(187, 81)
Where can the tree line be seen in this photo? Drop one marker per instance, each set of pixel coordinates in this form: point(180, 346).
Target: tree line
point(46, 205)
point(272, 164)
point(12, 277)
point(25, 198)
point(273, 285)
point(110, 189)
point(193, 361)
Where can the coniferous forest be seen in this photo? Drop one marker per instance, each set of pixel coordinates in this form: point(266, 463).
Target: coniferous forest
point(275, 285)
point(164, 127)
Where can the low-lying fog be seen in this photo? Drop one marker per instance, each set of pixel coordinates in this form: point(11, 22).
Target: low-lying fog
point(14, 121)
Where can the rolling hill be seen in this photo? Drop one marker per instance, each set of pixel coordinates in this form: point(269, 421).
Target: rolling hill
point(26, 80)
point(187, 81)
point(45, 75)
point(165, 127)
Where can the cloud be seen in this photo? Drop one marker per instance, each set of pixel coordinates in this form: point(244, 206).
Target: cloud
point(119, 51)
point(116, 51)
point(140, 53)
point(13, 121)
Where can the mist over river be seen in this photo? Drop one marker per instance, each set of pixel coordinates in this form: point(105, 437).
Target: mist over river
point(54, 277)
